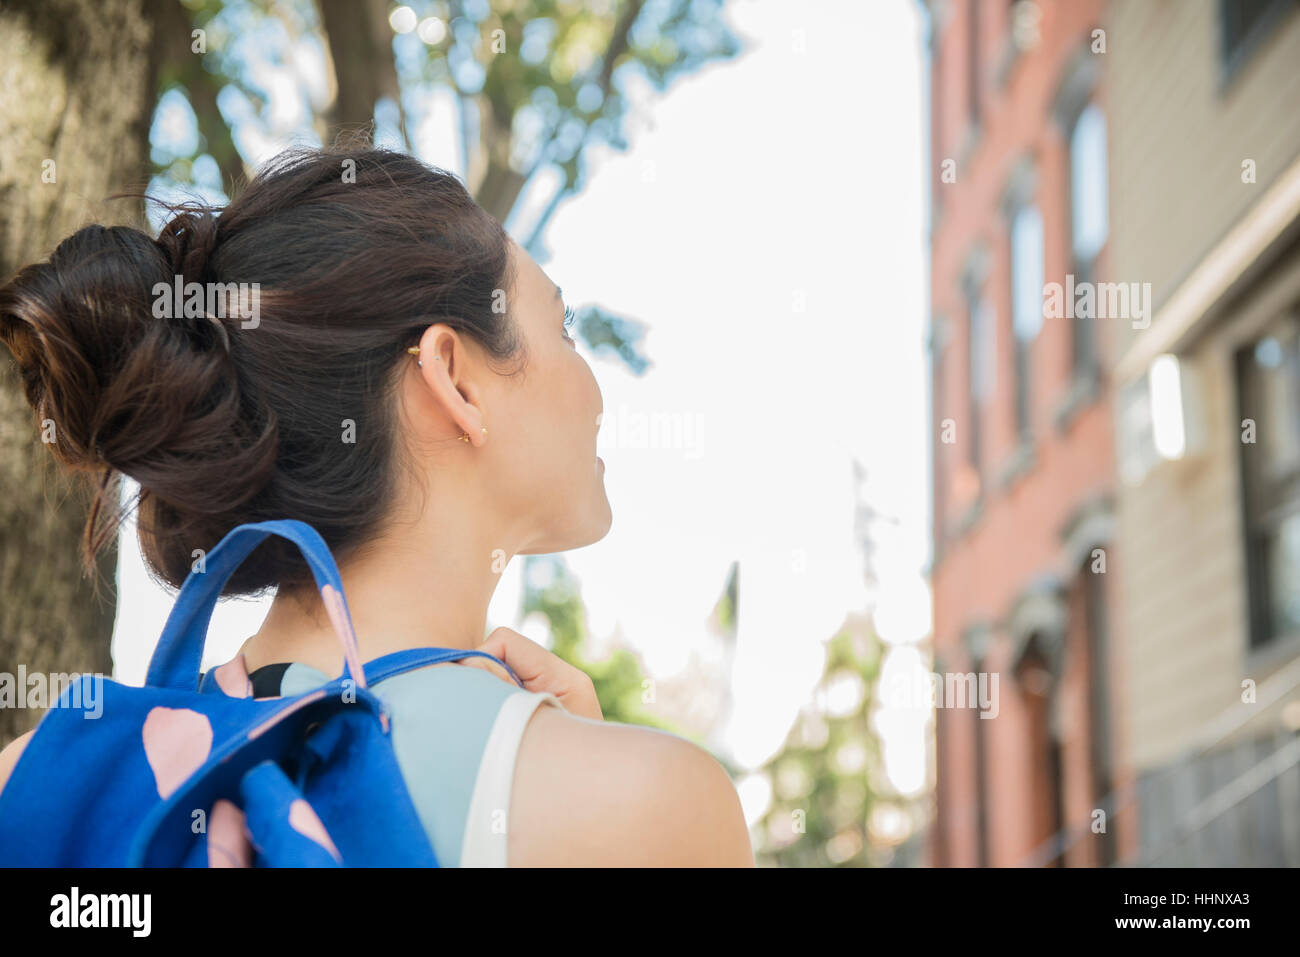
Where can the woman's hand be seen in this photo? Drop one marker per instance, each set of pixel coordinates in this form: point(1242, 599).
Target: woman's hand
point(539, 670)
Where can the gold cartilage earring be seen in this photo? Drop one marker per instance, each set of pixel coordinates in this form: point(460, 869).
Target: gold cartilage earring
point(415, 351)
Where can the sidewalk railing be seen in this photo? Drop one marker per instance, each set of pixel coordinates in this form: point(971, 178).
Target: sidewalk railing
point(1197, 792)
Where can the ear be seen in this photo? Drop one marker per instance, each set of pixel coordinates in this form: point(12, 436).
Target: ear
point(444, 368)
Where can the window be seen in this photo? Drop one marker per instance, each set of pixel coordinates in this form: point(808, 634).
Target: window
point(1242, 25)
point(973, 61)
point(938, 132)
point(1269, 397)
point(1089, 221)
point(1026, 301)
point(1025, 18)
point(983, 854)
point(939, 466)
point(975, 413)
point(982, 369)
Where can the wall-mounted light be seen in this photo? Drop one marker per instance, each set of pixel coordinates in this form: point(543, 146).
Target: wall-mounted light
point(1168, 425)
point(1160, 418)
point(1175, 408)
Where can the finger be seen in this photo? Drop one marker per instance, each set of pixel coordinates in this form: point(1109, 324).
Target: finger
point(526, 658)
point(483, 664)
point(542, 670)
point(538, 669)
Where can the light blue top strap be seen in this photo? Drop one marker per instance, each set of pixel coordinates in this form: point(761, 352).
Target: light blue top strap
point(442, 719)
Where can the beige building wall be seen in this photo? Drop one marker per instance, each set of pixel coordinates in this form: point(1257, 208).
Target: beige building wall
point(1178, 136)
point(1177, 142)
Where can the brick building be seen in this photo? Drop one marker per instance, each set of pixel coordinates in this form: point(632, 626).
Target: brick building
point(1023, 462)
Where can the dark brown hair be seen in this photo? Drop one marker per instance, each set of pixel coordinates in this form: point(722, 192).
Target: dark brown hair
point(355, 252)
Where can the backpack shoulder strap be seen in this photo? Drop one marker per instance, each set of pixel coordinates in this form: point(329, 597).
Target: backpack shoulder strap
point(385, 666)
point(409, 659)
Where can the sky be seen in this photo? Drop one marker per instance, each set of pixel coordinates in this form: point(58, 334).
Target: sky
point(767, 223)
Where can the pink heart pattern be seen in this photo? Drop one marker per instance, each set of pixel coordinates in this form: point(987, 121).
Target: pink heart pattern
point(304, 820)
point(176, 743)
point(232, 678)
point(228, 844)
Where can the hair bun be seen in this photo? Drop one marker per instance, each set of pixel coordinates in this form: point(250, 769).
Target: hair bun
point(155, 399)
point(300, 413)
point(189, 240)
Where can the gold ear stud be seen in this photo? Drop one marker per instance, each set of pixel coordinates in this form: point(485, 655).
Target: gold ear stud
point(464, 436)
point(415, 351)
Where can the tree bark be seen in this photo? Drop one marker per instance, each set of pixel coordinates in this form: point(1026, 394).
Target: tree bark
point(77, 90)
point(361, 50)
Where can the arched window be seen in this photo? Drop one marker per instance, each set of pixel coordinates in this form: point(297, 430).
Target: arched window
point(1026, 301)
point(1089, 209)
point(1089, 221)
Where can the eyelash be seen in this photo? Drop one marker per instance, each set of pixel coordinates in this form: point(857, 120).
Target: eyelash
point(569, 316)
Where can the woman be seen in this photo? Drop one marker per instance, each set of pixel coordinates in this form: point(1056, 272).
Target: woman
point(373, 355)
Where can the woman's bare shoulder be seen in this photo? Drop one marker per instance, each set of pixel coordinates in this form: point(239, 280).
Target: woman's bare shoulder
point(10, 755)
point(604, 794)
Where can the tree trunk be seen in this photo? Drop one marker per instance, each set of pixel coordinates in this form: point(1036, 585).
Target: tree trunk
point(360, 44)
point(77, 90)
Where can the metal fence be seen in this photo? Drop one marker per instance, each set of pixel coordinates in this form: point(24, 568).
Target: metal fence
point(1235, 806)
point(1229, 800)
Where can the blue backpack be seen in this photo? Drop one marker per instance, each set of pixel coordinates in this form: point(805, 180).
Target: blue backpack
point(174, 774)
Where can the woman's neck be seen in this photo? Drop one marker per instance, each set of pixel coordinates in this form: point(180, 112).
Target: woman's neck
point(419, 585)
